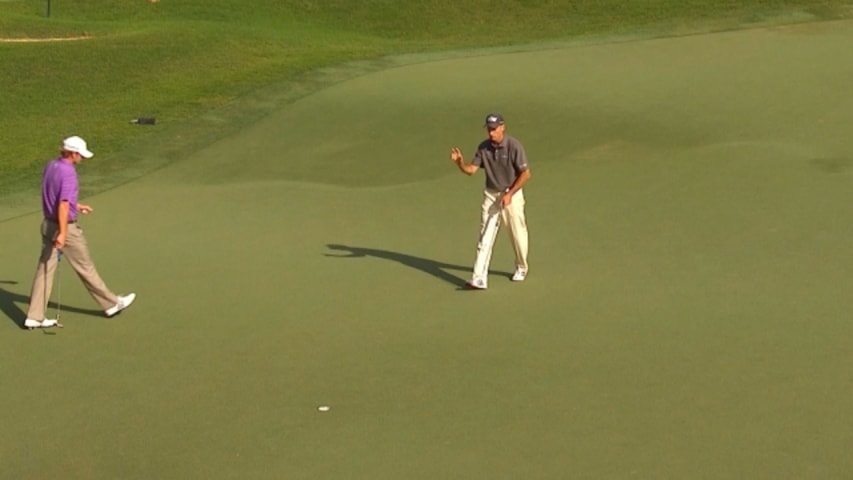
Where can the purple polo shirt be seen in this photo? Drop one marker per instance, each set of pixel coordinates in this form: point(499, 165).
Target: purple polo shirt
point(59, 183)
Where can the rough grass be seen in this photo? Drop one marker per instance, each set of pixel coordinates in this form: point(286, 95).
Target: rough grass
point(179, 60)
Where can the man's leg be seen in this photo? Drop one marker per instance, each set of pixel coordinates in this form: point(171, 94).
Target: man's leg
point(489, 225)
point(517, 229)
point(76, 251)
point(43, 280)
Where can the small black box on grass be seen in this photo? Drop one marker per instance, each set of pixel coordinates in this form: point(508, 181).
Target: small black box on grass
point(144, 121)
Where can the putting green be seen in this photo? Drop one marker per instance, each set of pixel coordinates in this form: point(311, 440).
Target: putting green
point(686, 315)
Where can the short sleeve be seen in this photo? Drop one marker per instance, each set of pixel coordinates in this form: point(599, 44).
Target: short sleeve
point(67, 189)
point(478, 158)
point(519, 160)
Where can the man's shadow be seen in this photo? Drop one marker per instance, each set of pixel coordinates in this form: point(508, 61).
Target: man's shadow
point(9, 305)
point(430, 267)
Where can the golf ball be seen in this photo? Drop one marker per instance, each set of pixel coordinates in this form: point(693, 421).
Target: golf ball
point(324, 408)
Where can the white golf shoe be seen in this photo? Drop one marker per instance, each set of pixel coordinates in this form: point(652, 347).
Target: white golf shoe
point(519, 275)
point(46, 323)
point(123, 302)
point(477, 284)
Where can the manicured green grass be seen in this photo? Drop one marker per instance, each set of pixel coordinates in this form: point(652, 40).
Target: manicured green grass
point(687, 314)
point(179, 60)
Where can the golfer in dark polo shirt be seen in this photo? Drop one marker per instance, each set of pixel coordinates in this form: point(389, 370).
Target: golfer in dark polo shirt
point(505, 163)
point(61, 234)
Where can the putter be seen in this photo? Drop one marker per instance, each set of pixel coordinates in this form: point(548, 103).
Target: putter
point(58, 287)
point(495, 221)
point(59, 290)
point(493, 224)
point(498, 217)
point(500, 214)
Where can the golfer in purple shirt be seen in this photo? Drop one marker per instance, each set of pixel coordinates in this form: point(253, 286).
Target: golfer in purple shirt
point(62, 235)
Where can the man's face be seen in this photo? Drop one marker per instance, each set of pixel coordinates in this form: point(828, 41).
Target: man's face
point(75, 158)
point(496, 135)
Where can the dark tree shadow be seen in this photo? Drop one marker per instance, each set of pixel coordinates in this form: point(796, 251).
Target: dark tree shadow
point(434, 268)
point(9, 302)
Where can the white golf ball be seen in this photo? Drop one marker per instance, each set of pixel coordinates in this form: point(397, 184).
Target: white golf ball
point(324, 408)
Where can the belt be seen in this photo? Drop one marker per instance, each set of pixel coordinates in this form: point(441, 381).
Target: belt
point(53, 220)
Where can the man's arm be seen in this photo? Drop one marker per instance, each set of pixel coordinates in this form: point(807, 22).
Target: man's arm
point(519, 182)
point(517, 185)
point(466, 168)
point(62, 221)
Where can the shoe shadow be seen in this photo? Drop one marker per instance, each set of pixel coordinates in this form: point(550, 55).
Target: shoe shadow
point(434, 268)
point(9, 302)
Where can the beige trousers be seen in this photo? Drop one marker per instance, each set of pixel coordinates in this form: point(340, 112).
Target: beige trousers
point(76, 253)
point(491, 217)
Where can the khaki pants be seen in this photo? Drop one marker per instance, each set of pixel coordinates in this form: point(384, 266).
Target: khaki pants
point(76, 253)
point(491, 217)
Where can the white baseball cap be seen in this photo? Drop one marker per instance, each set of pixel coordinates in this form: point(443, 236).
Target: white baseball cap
point(76, 144)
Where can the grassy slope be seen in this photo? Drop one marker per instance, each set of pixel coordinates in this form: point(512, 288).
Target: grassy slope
point(180, 60)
